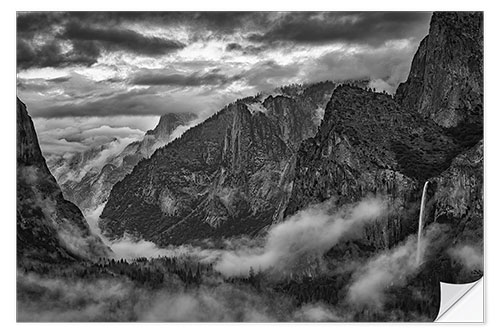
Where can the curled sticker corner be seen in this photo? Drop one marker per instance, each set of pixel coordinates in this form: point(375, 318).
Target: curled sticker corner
point(461, 302)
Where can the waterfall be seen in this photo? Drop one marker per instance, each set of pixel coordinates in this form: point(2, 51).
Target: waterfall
point(421, 223)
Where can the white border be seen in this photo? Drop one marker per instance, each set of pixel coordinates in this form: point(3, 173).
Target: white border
point(7, 139)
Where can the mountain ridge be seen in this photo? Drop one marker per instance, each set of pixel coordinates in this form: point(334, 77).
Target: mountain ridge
point(228, 179)
point(373, 141)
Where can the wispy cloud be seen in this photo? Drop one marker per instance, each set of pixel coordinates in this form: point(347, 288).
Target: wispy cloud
point(302, 238)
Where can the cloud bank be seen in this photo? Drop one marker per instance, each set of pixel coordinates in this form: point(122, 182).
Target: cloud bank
point(112, 300)
point(116, 65)
point(388, 269)
point(301, 238)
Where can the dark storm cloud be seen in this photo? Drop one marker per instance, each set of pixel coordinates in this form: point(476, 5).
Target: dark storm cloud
point(36, 22)
point(372, 28)
point(50, 54)
point(88, 33)
point(222, 22)
point(249, 49)
point(225, 22)
point(233, 47)
point(300, 27)
point(91, 33)
point(130, 103)
point(263, 75)
point(28, 85)
point(136, 102)
point(282, 42)
point(230, 21)
point(60, 79)
point(42, 85)
point(267, 75)
point(88, 51)
point(386, 64)
point(68, 88)
point(154, 78)
point(124, 39)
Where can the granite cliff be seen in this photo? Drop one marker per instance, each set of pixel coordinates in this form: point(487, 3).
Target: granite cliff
point(446, 77)
point(372, 143)
point(228, 176)
point(49, 228)
point(263, 158)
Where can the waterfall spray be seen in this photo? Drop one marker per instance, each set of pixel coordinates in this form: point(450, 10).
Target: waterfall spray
point(421, 222)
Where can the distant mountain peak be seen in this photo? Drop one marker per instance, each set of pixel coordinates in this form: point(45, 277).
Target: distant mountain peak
point(86, 178)
point(169, 122)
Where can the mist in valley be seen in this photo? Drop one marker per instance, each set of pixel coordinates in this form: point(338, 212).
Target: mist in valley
point(245, 280)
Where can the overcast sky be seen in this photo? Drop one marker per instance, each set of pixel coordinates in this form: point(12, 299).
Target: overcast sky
point(89, 77)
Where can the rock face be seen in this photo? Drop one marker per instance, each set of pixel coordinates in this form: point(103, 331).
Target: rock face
point(229, 175)
point(458, 202)
point(446, 76)
point(167, 125)
point(370, 143)
point(88, 177)
point(49, 228)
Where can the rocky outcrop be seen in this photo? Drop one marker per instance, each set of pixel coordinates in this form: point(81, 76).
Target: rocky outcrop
point(371, 143)
point(224, 177)
point(49, 228)
point(168, 124)
point(458, 197)
point(454, 219)
point(368, 145)
point(299, 118)
point(446, 77)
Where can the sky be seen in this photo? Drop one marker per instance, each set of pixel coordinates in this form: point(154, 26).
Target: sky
point(90, 77)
